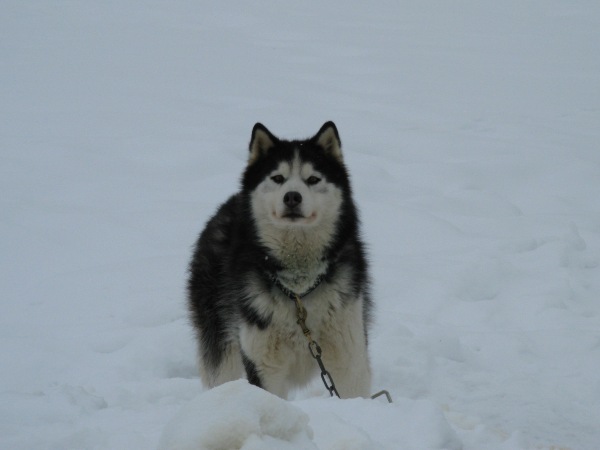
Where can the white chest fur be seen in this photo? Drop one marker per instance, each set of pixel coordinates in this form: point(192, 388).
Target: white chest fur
point(280, 351)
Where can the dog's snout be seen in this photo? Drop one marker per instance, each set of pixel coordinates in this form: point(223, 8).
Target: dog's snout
point(292, 199)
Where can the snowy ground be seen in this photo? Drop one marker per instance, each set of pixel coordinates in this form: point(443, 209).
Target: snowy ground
point(471, 130)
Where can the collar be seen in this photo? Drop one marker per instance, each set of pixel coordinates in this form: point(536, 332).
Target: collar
point(291, 294)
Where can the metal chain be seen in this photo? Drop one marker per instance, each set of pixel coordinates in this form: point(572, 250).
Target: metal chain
point(314, 348)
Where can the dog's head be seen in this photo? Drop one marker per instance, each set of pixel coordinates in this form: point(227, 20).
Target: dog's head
point(296, 184)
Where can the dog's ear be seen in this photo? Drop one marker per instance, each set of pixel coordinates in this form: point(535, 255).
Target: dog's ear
point(261, 142)
point(329, 139)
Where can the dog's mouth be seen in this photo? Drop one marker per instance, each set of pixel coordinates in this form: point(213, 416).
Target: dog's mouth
point(295, 217)
point(292, 215)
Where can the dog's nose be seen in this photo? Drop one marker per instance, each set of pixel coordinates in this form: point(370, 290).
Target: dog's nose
point(292, 199)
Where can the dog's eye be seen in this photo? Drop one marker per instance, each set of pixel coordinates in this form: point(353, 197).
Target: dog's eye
point(312, 180)
point(278, 179)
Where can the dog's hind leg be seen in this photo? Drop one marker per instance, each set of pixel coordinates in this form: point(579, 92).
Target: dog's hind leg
point(229, 367)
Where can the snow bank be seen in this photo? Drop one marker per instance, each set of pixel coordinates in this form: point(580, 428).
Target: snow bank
point(237, 415)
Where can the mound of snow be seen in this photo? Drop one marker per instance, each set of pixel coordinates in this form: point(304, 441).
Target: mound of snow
point(237, 415)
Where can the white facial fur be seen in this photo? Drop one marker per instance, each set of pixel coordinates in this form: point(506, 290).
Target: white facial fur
point(299, 242)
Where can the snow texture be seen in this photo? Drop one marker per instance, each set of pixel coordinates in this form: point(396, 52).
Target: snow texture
point(471, 132)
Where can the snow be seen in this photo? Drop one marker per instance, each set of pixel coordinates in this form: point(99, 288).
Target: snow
point(471, 131)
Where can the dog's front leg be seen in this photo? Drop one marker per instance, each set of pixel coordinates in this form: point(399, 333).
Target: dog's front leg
point(345, 353)
point(263, 360)
point(349, 369)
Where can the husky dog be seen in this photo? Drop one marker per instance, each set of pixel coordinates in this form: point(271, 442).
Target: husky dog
point(292, 229)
